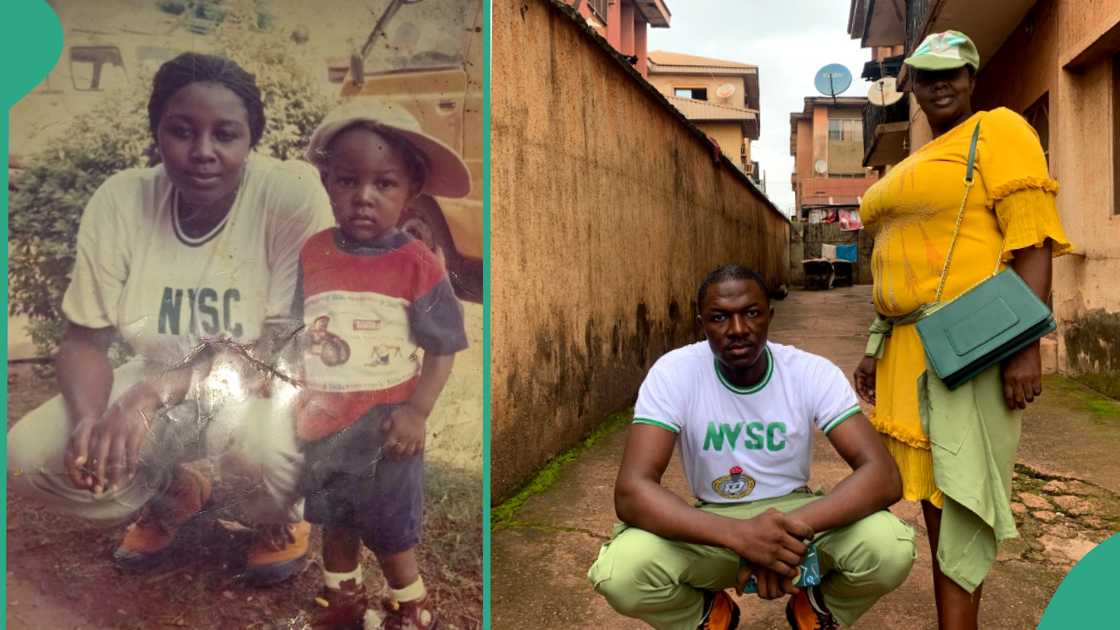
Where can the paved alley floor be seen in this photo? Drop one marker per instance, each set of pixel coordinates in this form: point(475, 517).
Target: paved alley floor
point(1067, 488)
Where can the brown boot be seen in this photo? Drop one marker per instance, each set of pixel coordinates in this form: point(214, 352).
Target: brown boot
point(340, 609)
point(152, 534)
point(415, 615)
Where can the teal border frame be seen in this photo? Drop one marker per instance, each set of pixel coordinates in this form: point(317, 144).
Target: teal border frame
point(30, 44)
point(31, 40)
point(1087, 591)
point(487, 34)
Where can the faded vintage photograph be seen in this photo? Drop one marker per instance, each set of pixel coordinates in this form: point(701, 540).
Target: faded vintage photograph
point(245, 320)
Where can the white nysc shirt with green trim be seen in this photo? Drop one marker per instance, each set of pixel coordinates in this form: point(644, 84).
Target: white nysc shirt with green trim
point(137, 271)
point(744, 444)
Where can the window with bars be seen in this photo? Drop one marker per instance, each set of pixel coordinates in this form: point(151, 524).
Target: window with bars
point(845, 129)
point(600, 8)
point(699, 94)
point(845, 144)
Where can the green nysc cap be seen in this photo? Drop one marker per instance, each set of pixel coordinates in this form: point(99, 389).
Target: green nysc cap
point(944, 51)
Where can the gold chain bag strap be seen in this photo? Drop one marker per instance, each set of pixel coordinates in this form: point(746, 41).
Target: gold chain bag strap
point(985, 324)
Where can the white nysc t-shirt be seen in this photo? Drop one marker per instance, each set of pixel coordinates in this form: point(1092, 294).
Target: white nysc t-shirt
point(744, 444)
point(136, 271)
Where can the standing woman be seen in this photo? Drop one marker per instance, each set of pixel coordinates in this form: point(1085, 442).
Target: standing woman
point(1010, 216)
point(203, 246)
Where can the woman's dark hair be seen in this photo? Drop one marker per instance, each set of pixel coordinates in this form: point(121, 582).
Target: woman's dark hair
point(415, 163)
point(192, 67)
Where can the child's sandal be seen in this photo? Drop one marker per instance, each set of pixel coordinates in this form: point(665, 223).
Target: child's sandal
point(415, 615)
point(344, 608)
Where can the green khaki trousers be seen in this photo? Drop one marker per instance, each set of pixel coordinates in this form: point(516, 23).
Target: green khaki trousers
point(662, 582)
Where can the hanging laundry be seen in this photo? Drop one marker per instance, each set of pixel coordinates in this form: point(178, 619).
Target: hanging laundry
point(849, 220)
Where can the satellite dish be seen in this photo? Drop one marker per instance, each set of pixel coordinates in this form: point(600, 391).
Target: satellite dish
point(821, 167)
point(884, 92)
point(725, 90)
point(832, 80)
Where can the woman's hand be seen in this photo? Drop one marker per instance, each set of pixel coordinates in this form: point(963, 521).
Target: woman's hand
point(1022, 377)
point(864, 377)
point(77, 454)
point(105, 451)
point(1022, 372)
point(404, 431)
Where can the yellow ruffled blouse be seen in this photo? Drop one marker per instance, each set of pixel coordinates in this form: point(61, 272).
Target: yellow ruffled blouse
point(912, 212)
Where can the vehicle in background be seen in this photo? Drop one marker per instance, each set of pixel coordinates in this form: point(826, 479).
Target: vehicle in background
point(426, 55)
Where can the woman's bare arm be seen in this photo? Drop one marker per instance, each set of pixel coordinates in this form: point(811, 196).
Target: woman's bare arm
point(1022, 371)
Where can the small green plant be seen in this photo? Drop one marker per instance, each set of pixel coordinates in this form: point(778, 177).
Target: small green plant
point(503, 514)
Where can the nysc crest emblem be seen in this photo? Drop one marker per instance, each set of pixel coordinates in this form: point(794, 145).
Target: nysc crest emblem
point(734, 485)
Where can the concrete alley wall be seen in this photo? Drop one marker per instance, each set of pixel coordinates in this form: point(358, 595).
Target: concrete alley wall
point(607, 210)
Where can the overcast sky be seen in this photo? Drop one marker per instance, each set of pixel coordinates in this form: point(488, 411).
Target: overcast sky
point(789, 40)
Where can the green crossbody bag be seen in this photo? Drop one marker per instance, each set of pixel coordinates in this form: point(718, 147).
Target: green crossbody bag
point(986, 324)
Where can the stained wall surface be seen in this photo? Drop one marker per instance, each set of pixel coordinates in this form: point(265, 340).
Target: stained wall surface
point(1033, 64)
point(607, 210)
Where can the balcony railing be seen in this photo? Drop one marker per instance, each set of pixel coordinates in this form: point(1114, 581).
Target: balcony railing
point(889, 67)
point(916, 13)
point(873, 116)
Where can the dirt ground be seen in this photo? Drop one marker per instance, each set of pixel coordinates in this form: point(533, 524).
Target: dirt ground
point(1067, 500)
point(60, 575)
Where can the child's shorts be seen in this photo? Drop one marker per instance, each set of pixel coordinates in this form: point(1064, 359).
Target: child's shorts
point(347, 482)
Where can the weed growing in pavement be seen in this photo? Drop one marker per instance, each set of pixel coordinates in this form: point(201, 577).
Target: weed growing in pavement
point(503, 514)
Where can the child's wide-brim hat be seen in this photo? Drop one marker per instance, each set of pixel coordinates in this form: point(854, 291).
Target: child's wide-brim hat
point(448, 175)
point(944, 51)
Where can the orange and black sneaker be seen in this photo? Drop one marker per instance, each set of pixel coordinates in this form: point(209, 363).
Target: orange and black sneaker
point(720, 612)
point(266, 566)
point(152, 534)
point(806, 611)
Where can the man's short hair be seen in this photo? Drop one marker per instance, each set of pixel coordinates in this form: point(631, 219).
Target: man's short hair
point(729, 272)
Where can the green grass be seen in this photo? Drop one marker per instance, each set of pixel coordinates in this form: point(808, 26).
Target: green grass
point(1106, 383)
point(1091, 399)
point(503, 514)
point(1104, 408)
